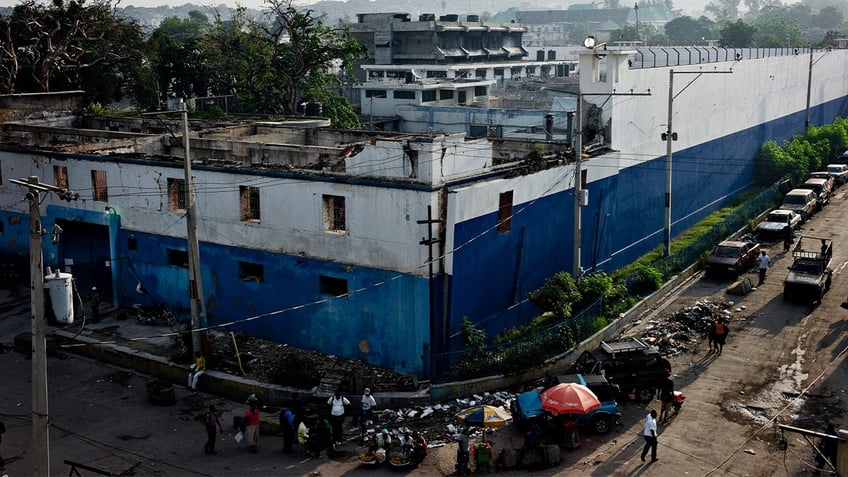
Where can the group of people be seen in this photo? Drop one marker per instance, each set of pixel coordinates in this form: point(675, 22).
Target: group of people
point(321, 433)
point(717, 334)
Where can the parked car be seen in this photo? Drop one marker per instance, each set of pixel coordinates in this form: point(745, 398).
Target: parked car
point(802, 201)
point(527, 410)
point(822, 188)
point(839, 172)
point(731, 258)
point(774, 226)
point(599, 420)
point(631, 364)
point(824, 175)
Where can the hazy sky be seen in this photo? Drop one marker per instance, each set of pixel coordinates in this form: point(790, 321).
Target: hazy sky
point(155, 3)
point(688, 6)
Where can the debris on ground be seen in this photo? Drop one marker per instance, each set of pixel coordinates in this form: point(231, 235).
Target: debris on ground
point(680, 331)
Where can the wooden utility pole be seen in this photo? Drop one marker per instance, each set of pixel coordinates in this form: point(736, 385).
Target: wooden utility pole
point(195, 285)
point(40, 422)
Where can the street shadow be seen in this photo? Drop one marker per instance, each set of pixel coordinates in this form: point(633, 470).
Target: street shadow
point(625, 457)
point(835, 331)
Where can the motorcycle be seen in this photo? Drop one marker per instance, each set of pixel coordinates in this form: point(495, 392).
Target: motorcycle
point(159, 315)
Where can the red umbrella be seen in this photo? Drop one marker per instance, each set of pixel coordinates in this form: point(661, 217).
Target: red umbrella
point(569, 398)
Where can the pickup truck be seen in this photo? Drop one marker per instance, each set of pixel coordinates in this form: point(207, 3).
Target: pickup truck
point(635, 367)
point(526, 408)
point(810, 275)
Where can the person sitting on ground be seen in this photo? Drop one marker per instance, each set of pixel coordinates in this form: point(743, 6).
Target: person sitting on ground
point(197, 370)
point(420, 448)
point(406, 444)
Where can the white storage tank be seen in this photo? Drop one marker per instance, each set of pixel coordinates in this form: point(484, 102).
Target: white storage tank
point(59, 286)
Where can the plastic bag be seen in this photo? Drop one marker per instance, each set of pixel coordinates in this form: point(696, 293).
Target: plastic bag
point(239, 437)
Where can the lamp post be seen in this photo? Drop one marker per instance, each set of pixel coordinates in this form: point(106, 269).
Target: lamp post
point(636, 9)
point(668, 136)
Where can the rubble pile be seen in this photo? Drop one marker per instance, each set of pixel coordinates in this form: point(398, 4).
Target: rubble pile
point(437, 422)
point(679, 331)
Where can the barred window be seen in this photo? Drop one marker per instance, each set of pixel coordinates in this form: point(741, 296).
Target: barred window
point(334, 213)
point(176, 194)
point(249, 203)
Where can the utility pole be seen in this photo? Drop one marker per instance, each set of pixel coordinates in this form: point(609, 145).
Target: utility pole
point(429, 241)
point(809, 87)
point(195, 285)
point(579, 193)
point(668, 136)
point(577, 270)
point(40, 421)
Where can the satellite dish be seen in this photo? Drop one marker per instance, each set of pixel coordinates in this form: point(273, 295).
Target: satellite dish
point(589, 42)
point(418, 73)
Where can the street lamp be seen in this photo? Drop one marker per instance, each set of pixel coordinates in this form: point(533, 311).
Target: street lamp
point(636, 9)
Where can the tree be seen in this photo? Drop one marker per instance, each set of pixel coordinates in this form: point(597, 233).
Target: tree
point(828, 18)
point(178, 56)
point(293, 58)
point(778, 33)
point(688, 31)
point(69, 45)
point(723, 10)
point(737, 34)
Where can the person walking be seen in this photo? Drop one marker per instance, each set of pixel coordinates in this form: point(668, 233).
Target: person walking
point(367, 405)
point(650, 434)
point(787, 238)
point(763, 262)
point(711, 337)
point(251, 426)
point(95, 305)
point(337, 404)
point(667, 398)
point(212, 421)
point(287, 422)
point(197, 370)
point(721, 331)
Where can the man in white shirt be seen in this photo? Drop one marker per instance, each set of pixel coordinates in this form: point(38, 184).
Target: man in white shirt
point(763, 262)
point(650, 434)
point(368, 404)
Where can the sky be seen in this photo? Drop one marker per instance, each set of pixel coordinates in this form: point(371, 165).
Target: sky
point(686, 5)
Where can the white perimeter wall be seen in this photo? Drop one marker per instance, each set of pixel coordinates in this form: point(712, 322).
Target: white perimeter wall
point(713, 105)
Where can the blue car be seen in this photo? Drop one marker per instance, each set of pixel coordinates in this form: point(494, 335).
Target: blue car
point(527, 406)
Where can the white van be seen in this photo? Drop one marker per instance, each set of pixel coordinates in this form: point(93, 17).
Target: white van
point(802, 201)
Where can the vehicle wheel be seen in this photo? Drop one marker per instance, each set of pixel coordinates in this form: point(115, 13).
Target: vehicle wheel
point(601, 424)
point(644, 395)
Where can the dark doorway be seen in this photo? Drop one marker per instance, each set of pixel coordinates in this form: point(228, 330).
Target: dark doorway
point(84, 252)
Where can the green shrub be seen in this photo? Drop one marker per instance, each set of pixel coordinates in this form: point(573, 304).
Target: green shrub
point(557, 295)
point(644, 281)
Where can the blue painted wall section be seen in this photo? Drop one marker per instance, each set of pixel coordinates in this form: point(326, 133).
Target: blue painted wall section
point(385, 320)
point(629, 211)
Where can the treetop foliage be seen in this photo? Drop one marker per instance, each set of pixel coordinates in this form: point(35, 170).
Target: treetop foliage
point(272, 65)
